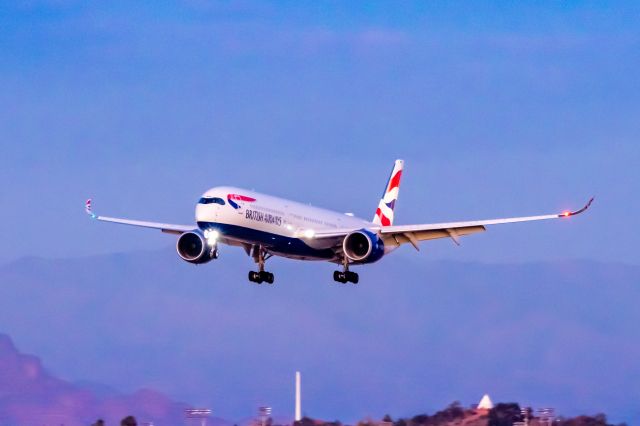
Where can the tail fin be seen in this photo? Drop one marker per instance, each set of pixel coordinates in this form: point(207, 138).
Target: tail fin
point(384, 213)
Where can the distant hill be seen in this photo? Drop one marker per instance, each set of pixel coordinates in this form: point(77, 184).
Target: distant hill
point(412, 336)
point(29, 395)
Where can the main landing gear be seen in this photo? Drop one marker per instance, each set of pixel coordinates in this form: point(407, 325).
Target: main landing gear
point(260, 277)
point(346, 275)
point(260, 256)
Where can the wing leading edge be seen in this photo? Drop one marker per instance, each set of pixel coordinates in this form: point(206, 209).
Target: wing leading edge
point(164, 227)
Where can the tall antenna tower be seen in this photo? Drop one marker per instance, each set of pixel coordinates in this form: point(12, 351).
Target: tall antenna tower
point(298, 398)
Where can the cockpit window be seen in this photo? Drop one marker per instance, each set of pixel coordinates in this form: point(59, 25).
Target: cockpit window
point(211, 200)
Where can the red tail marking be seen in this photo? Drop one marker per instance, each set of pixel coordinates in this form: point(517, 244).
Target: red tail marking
point(395, 181)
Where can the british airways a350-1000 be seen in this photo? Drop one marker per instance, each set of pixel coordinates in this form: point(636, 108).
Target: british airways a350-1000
point(266, 226)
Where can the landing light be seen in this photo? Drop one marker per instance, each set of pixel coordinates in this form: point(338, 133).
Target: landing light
point(309, 233)
point(211, 236)
point(566, 214)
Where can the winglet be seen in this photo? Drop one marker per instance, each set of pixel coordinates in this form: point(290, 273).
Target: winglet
point(88, 209)
point(569, 213)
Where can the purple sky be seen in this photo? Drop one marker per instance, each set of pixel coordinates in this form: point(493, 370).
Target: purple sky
point(414, 336)
point(498, 109)
point(144, 107)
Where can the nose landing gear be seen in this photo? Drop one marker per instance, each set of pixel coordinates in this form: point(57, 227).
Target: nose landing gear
point(260, 256)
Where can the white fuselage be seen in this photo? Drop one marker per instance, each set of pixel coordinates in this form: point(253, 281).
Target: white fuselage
point(286, 227)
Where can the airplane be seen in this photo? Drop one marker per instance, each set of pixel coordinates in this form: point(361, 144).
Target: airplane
point(266, 226)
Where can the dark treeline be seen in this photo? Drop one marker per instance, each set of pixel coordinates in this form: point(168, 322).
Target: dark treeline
point(127, 421)
point(503, 414)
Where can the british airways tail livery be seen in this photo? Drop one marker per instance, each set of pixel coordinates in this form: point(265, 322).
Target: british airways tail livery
point(266, 226)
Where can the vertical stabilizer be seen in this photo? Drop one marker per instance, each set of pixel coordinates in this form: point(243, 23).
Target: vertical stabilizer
point(384, 212)
point(298, 398)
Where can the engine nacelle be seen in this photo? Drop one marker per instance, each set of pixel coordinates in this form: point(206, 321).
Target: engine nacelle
point(192, 247)
point(363, 246)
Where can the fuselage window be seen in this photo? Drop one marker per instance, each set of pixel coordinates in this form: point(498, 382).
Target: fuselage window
point(215, 200)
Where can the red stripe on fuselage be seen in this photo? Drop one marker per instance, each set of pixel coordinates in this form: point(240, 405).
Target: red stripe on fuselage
point(239, 197)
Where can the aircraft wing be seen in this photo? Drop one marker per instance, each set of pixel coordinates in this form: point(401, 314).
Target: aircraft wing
point(413, 233)
point(401, 234)
point(164, 227)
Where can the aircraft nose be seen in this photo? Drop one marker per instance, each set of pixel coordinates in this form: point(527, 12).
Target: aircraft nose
point(205, 212)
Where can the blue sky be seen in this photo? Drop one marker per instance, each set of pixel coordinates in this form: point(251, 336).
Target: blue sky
point(144, 106)
point(498, 108)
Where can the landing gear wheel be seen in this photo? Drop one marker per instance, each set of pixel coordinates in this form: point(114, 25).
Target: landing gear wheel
point(352, 277)
point(339, 277)
point(345, 277)
point(255, 277)
point(266, 277)
point(260, 256)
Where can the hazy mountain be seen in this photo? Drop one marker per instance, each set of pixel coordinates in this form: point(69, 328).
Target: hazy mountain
point(413, 336)
point(29, 395)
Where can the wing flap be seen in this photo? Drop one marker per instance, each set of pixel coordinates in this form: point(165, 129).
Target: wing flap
point(446, 233)
point(399, 238)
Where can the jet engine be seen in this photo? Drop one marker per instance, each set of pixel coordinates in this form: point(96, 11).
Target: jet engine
point(363, 246)
point(193, 248)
